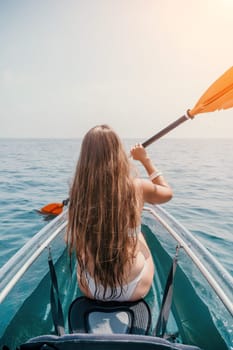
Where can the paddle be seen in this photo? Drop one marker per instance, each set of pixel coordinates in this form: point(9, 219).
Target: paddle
point(54, 208)
point(218, 96)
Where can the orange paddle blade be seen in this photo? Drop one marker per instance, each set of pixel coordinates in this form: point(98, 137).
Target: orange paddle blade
point(218, 96)
point(52, 208)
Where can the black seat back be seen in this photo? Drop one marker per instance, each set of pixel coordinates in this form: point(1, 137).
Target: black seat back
point(98, 317)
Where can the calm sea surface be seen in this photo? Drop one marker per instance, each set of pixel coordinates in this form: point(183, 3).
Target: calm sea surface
point(36, 172)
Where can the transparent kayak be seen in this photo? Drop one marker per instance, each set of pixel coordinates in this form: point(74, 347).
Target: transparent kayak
point(202, 307)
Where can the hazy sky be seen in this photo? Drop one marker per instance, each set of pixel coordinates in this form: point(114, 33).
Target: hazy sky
point(66, 65)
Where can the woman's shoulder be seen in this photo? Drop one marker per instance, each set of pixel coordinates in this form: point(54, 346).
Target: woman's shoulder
point(139, 182)
point(140, 186)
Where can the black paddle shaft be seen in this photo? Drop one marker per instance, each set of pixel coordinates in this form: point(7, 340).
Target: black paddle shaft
point(165, 130)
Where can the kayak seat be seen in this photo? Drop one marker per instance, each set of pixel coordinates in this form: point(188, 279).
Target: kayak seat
point(98, 317)
point(102, 342)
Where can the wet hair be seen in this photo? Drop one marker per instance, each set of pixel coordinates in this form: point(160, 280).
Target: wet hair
point(104, 209)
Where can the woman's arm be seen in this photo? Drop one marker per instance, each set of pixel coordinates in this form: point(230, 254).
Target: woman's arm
point(156, 190)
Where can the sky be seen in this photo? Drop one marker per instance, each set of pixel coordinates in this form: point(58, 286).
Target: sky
point(137, 65)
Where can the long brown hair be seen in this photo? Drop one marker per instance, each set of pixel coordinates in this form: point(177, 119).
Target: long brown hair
point(103, 208)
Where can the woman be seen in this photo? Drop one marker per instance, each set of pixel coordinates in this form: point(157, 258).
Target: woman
point(114, 261)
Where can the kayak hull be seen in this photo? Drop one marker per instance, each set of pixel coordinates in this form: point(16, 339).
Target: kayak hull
point(192, 320)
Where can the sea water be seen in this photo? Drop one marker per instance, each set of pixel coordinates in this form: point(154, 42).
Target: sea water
point(35, 172)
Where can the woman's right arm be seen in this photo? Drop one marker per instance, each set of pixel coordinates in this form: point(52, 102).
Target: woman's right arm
point(156, 190)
